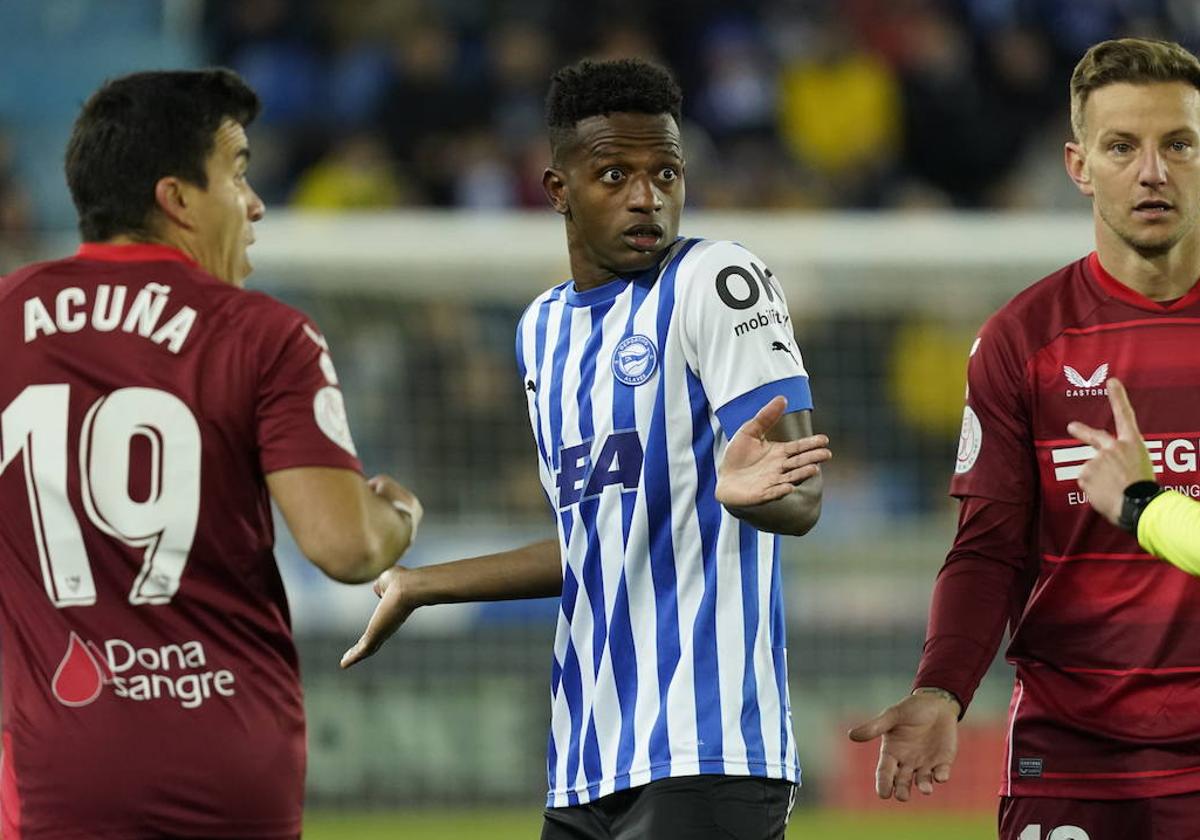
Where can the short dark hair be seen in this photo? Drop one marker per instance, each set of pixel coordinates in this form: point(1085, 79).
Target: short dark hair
point(142, 127)
point(1137, 61)
point(596, 88)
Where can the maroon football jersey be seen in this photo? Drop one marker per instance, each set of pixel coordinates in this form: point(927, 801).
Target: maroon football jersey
point(1107, 644)
point(150, 683)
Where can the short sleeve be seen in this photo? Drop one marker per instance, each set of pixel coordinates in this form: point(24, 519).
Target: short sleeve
point(995, 457)
point(737, 335)
point(300, 411)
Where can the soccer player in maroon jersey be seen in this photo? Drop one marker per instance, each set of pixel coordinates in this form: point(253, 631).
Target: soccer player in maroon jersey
point(1103, 737)
point(150, 407)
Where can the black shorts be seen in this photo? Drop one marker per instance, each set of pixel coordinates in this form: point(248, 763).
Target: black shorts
point(685, 808)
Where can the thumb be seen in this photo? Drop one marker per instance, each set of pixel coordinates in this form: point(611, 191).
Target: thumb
point(767, 416)
point(872, 729)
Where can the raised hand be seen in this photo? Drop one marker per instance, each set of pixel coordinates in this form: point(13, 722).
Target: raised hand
point(1119, 461)
point(920, 741)
point(393, 609)
point(756, 470)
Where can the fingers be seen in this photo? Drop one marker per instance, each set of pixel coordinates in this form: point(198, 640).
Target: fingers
point(885, 775)
point(797, 475)
point(903, 783)
point(767, 416)
point(1084, 433)
point(1122, 409)
point(923, 779)
point(941, 773)
point(811, 444)
point(387, 618)
point(372, 639)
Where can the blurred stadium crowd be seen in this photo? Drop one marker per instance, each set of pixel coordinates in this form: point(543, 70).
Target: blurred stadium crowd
point(810, 104)
point(789, 103)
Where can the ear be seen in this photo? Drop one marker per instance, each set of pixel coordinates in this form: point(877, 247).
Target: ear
point(1077, 168)
point(555, 186)
point(172, 198)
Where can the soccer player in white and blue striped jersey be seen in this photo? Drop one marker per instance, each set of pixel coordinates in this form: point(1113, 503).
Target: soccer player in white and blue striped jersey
point(671, 413)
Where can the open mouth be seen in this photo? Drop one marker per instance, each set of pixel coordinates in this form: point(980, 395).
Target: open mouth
point(1153, 208)
point(643, 237)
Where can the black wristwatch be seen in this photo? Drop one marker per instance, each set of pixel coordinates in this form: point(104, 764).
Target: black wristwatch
point(1137, 496)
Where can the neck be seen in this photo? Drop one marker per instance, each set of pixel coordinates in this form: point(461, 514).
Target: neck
point(584, 271)
point(1160, 277)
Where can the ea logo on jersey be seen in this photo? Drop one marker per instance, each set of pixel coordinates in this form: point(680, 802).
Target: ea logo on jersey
point(634, 360)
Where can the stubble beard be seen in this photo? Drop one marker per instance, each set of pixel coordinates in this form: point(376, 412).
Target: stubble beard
point(1161, 245)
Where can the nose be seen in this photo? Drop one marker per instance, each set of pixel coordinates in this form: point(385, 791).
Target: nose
point(1152, 171)
point(255, 209)
point(644, 196)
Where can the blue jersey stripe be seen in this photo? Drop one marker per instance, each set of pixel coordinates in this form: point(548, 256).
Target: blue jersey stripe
point(778, 648)
point(561, 348)
point(751, 716)
point(621, 640)
point(706, 676)
point(572, 679)
point(658, 511)
point(593, 570)
point(539, 356)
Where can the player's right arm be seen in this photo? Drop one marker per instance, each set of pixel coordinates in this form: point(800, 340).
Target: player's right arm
point(532, 571)
point(982, 578)
point(349, 529)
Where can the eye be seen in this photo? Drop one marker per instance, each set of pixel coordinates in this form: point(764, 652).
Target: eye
point(668, 173)
point(1180, 146)
point(1121, 147)
point(612, 175)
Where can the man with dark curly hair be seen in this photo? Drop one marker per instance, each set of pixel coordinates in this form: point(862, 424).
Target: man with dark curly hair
point(671, 413)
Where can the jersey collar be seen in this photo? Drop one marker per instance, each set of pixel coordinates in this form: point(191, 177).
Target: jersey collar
point(1113, 287)
point(140, 252)
point(620, 283)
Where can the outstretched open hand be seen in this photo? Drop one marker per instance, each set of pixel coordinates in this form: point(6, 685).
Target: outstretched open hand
point(393, 609)
point(756, 470)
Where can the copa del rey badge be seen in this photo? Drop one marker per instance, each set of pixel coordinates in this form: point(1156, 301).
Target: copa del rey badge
point(634, 360)
point(970, 440)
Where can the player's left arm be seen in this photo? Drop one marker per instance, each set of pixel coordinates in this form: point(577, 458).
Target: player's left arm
point(737, 337)
point(770, 476)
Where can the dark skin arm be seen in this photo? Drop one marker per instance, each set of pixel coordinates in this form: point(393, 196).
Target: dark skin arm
point(532, 571)
point(797, 512)
point(768, 479)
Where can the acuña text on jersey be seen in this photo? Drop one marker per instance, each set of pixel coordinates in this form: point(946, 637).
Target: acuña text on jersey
point(112, 308)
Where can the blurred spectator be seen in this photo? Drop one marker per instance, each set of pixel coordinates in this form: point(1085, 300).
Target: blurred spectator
point(737, 96)
point(955, 137)
point(356, 174)
point(839, 114)
point(427, 104)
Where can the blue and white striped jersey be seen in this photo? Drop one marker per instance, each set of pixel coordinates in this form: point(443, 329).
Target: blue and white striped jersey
point(669, 658)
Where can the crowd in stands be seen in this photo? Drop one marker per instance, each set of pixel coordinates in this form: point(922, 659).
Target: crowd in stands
point(819, 104)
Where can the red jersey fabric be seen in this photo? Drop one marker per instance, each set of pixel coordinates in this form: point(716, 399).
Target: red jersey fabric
point(150, 683)
point(1105, 638)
